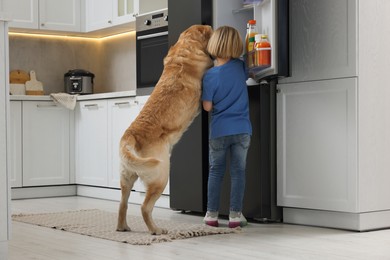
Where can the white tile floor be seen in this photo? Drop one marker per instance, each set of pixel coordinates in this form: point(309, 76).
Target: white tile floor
point(257, 241)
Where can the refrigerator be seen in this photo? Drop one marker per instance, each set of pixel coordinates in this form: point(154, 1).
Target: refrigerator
point(189, 160)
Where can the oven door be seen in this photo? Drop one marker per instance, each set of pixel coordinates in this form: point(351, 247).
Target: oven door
point(152, 47)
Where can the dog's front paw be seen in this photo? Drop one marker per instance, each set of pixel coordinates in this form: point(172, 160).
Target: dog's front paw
point(123, 229)
point(159, 231)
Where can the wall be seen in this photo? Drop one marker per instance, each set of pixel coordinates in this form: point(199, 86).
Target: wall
point(118, 64)
point(111, 59)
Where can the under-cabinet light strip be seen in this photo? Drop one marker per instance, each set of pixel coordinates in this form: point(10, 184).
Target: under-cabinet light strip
point(70, 37)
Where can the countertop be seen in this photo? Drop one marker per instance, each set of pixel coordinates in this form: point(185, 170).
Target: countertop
point(121, 94)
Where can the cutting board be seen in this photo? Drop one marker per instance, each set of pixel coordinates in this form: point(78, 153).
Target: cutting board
point(33, 86)
point(18, 77)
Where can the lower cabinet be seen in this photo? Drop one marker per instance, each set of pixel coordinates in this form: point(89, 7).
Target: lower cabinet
point(46, 139)
point(52, 145)
point(317, 145)
point(40, 138)
point(99, 126)
point(121, 113)
point(16, 143)
point(91, 151)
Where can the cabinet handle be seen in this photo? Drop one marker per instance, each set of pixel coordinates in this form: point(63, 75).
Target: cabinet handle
point(42, 24)
point(46, 106)
point(91, 106)
point(122, 103)
point(109, 21)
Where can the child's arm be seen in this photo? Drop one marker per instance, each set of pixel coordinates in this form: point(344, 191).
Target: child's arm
point(207, 105)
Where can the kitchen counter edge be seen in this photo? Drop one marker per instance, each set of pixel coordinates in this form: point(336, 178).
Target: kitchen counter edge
point(121, 94)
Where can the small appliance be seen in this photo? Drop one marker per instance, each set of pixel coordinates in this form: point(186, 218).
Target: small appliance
point(78, 81)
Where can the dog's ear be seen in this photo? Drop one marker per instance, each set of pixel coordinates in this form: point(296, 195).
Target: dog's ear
point(207, 31)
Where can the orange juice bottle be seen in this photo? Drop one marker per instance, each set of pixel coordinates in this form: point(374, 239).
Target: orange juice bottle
point(263, 51)
point(249, 42)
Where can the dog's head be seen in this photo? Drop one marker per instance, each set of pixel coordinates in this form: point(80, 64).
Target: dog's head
point(197, 34)
point(191, 46)
point(200, 33)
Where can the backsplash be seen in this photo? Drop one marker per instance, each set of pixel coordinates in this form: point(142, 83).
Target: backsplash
point(112, 60)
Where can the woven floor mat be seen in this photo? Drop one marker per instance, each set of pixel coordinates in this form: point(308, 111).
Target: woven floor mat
point(102, 224)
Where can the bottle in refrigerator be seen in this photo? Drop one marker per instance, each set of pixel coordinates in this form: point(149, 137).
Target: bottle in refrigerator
point(263, 51)
point(249, 43)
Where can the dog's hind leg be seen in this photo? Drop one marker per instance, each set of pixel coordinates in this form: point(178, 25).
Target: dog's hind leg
point(126, 182)
point(153, 192)
point(152, 195)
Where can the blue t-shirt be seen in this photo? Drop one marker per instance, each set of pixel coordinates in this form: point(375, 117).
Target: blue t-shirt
point(225, 86)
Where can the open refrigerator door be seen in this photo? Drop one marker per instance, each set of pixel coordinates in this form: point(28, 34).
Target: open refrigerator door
point(271, 18)
point(270, 52)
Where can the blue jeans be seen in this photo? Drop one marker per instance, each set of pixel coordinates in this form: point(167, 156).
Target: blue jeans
point(238, 146)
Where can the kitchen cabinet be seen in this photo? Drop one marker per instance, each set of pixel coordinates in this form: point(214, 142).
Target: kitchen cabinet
point(125, 11)
point(46, 138)
point(317, 153)
point(146, 6)
point(121, 113)
point(45, 14)
point(333, 123)
point(323, 37)
point(91, 143)
point(16, 143)
point(99, 126)
point(100, 14)
point(26, 17)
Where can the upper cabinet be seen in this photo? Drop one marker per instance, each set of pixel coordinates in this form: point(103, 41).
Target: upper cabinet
point(59, 15)
point(24, 13)
point(323, 40)
point(100, 14)
point(72, 15)
point(44, 14)
point(125, 11)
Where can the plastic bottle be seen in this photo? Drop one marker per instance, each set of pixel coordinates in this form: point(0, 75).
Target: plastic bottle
point(263, 50)
point(249, 42)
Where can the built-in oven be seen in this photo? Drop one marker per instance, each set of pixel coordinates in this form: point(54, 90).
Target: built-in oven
point(152, 47)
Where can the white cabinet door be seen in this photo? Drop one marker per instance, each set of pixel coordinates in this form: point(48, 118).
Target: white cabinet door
point(45, 143)
point(98, 14)
point(60, 15)
point(16, 144)
point(121, 113)
point(91, 143)
point(323, 43)
point(317, 145)
point(24, 13)
point(125, 11)
point(102, 14)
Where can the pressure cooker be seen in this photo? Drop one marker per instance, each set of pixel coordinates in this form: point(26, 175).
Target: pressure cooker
point(78, 81)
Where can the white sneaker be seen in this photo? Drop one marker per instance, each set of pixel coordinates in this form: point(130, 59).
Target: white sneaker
point(211, 219)
point(236, 219)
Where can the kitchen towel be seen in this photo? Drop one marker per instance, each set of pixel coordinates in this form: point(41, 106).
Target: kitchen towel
point(67, 100)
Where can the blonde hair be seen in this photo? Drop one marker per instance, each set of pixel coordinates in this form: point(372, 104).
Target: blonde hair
point(225, 42)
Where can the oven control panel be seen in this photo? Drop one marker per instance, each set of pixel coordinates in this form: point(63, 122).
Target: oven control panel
point(152, 20)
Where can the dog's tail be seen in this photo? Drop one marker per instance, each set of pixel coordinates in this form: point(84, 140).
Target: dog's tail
point(135, 162)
